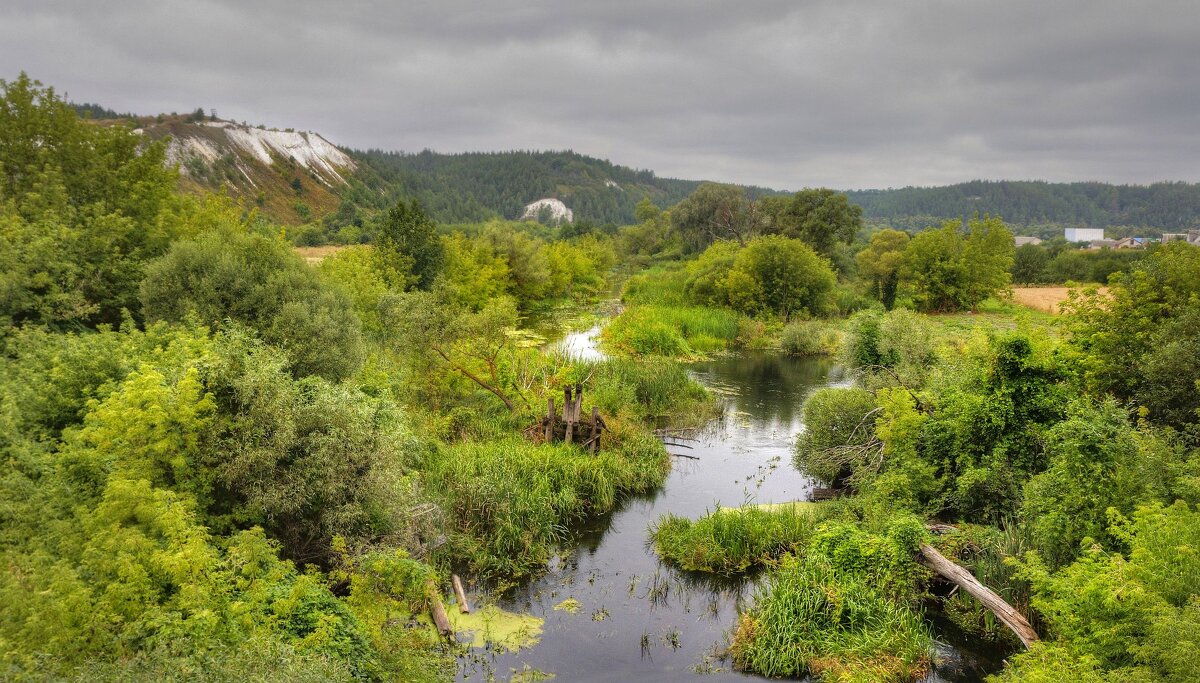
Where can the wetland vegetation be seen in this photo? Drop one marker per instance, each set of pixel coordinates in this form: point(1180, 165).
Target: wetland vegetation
point(220, 459)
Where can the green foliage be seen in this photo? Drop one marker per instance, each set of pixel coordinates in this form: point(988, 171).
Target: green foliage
point(407, 243)
point(732, 541)
point(231, 276)
point(716, 212)
point(840, 611)
point(510, 501)
point(1139, 341)
point(819, 217)
point(1115, 617)
point(889, 347)
point(810, 338)
point(647, 389)
point(82, 208)
point(671, 331)
point(881, 262)
point(839, 434)
point(950, 272)
point(772, 275)
point(356, 271)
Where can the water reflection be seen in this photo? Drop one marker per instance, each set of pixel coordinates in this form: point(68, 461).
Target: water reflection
point(642, 620)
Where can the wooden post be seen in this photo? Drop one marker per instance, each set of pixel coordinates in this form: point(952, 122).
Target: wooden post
point(461, 595)
point(1005, 612)
point(595, 440)
point(440, 619)
point(566, 404)
point(578, 402)
point(550, 419)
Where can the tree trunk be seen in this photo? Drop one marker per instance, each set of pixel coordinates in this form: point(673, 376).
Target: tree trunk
point(955, 574)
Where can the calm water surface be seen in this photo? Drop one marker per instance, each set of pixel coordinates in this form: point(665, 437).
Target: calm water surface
point(642, 620)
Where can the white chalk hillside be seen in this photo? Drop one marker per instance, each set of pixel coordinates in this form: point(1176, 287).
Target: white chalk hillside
point(308, 150)
point(559, 212)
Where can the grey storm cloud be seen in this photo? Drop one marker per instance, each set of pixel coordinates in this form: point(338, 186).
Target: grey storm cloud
point(845, 94)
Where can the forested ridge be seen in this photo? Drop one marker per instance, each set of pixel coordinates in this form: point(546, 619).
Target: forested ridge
point(476, 186)
point(1167, 206)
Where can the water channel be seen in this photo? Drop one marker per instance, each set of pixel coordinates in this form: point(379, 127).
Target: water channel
point(639, 619)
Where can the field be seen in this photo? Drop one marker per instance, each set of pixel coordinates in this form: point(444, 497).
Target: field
point(314, 255)
point(1044, 299)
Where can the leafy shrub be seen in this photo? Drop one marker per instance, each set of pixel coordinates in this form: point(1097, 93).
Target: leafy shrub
point(226, 275)
point(772, 275)
point(810, 338)
point(839, 434)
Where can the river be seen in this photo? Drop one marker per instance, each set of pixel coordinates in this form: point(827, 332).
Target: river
point(642, 620)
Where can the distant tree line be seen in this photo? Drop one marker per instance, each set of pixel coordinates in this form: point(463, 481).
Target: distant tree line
point(1165, 206)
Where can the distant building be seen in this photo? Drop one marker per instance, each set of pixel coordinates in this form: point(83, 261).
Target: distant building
point(1083, 234)
point(1191, 237)
point(1022, 240)
point(1101, 244)
point(1130, 243)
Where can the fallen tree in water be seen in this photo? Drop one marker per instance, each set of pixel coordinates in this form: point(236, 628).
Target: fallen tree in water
point(962, 578)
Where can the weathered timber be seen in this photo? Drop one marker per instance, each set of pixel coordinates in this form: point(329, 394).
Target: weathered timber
point(460, 594)
point(683, 455)
point(440, 619)
point(955, 574)
point(819, 493)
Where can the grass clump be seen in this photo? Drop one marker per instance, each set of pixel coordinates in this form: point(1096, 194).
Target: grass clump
point(673, 331)
point(841, 611)
point(645, 390)
point(812, 617)
point(731, 541)
point(509, 502)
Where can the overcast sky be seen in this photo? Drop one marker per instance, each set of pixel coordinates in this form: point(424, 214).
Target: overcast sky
point(785, 94)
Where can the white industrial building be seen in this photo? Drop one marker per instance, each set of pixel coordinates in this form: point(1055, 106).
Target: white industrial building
point(1083, 234)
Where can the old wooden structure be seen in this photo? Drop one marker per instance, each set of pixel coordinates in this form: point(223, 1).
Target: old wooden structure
point(570, 425)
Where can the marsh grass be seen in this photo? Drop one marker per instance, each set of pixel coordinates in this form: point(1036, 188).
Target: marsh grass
point(814, 617)
point(733, 541)
point(661, 285)
point(509, 502)
point(673, 331)
point(647, 391)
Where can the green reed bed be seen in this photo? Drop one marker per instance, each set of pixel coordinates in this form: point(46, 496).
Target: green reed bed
point(813, 617)
point(646, 390)
point(731, 541)
point(674, 331)
point(509, 502)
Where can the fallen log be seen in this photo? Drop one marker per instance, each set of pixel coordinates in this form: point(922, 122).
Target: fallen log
point(440, 619)
point(683, 455)
point(460, 594)
point(955, 574)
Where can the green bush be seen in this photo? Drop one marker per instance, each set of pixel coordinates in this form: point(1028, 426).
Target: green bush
point(810, 338)
point(228, 275)
point(839, 434)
